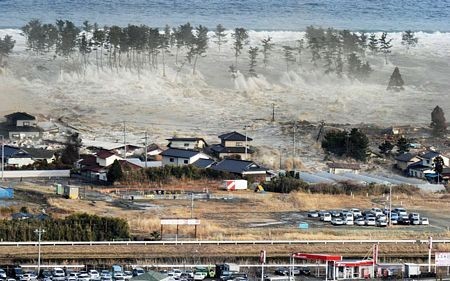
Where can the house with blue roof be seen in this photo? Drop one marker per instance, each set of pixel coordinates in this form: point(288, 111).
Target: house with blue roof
point(16, 157)
point(181, 157)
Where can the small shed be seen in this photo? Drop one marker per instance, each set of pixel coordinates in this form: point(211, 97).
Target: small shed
point(6, 193)
point(71, 192)
point(151, 275)
point(59, 189)
point(341, 168)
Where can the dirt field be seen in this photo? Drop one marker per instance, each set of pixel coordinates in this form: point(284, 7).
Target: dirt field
point(245, 214)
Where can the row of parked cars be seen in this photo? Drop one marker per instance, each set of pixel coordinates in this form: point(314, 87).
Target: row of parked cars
point(59, 274)
point(372, 217)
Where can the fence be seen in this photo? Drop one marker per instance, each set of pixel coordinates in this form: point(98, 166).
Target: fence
point(37, 174)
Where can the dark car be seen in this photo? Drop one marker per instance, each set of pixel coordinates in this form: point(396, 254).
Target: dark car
point(282, 271)
point(304, 270)
point(45, 273)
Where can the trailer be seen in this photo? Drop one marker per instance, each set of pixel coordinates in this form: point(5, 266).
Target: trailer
point(412, 270)
point(234, 185)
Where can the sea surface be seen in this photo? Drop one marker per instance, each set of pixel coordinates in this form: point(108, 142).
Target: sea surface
point(271, 15)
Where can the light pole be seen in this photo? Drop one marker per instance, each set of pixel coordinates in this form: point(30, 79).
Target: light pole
point(390, 206)
point(3, 153)
point(39, 232)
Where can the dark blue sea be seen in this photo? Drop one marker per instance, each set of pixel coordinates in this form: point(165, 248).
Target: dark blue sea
point(366, 15)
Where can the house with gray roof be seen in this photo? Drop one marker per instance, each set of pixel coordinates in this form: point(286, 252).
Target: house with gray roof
point(233, 145)
point(204, 163)
point(181, 157)
point(187, 143)
point(402, 161)
point(429, 156)
point(20, 125)
point(242, 168)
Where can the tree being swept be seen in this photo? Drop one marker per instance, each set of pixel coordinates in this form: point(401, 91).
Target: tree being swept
point(288, 54)
point(385, 45)
point(199, 45)
point(409, 39)
point(267, 46)
point(438, 122)
point(220, 36)
point(240, 37)
point(252, 55)
point(6, 46)
point(396, 81)
point(373, 43)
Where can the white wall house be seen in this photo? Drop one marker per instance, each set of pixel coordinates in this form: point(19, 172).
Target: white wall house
point(106, 158)
point(180, 157)
point(187, 143)
point(429, 156)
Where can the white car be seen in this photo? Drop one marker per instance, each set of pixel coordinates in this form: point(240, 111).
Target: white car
point(118, 276)
point(84, 276)
point(94, 274)
point(356, 212)
point(349, 222)
point(199, 276)
point(376, 211)
point(28, 277)
point(189, 272)
point(2, 274)
point(337, 221)
point(381, 223)
point(326, 217)
point(371, 221)
point(177, 272)
point(360, 222)
point(424, 221)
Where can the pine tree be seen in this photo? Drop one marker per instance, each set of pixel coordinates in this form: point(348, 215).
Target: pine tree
point(252, 54)
point(385, 45)
point(373, 43)
point(403, 145)
point(71, 152)
point(267, 46)
point(438, 122)
point(409, 39)
point(115, 172)
point(396, 81)
point(288, 53)
point(220, 36)
point(363, 44)
point(386, 147)
point(6, 46)
point(240, 36)
point(200, 43)
point(299, 48)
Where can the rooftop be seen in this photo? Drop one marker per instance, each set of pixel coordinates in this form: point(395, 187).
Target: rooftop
point(234, 136)
point(103, 154)
point(203, 163)
point(20, 116)
point(405, 157)
point(238, 166)
point(430, 154)
point(352, 166)
point(39, 153)
point(179, 153)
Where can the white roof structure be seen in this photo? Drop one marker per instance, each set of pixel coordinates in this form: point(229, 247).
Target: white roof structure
point(104, 144)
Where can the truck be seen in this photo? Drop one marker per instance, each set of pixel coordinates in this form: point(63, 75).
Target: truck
point(226, 269)
point(115, 269)
point(231, 185)
point(412, 270)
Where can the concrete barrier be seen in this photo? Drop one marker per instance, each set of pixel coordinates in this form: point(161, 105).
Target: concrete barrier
point(37, 174)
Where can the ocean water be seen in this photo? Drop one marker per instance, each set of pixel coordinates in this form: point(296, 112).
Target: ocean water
point(359, 15)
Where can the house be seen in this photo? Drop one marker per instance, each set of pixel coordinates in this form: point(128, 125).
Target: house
point(16, 157)
point(21, 119)
point(115, 147)
point(154, 149)
point(341, 168)
point(233, 145)
point(418, 170)
point(404, 160)
point(429, 156)
point(242, 168)
point(180, 157)
point(39, 154)
point(104, 158)
point(142, 164)
point(21, 216)
point(204, 163)
point(187, 143)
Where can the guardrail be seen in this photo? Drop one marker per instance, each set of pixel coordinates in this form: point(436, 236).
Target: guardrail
point(212, 242)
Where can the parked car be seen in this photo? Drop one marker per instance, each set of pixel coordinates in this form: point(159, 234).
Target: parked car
point(29, 276)
point(177, 272)
point(424, 221)
point(73, 275)
point(326, 217)
point(335, 214)
point(370, 221)
point(2, 274)
point(337, 221)
point(381, 223)
point(138, 271)
point(404, 220)
point(282, 271)
point(349, 221)
point(189, 272)
point(313, 214)
point(58, 274)
point(106, 278)
point(415, 221)
point(304, 270)
point(199, 276)
point(94, 274)
point(84, 276)
point(356, 212)
point(376, 211)
point(401, 211)
point(360, 222)
point(413, 216)
point(127, 275)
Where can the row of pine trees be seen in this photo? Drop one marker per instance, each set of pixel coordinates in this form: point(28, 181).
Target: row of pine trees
point(140, 46)
point(77, 227)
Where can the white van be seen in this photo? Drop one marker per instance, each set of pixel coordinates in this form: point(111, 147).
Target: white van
point(326, 217)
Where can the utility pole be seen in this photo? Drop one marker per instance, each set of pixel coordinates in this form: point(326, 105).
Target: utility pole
point(146, 144)
point(39, 232)
point(273, 112)
point(293, 136)
point(246, 142)
point(390, 206)
point(192, 205)
point(124, 141)
point(3, 154)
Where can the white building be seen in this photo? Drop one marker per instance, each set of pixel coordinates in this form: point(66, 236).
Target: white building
point(105, 158)
point(180, 157)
